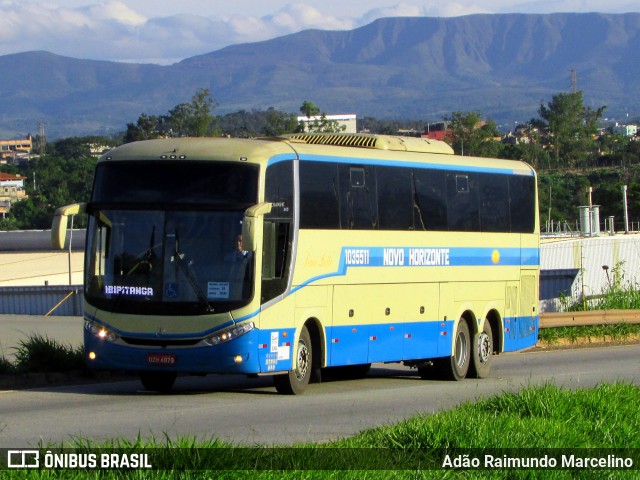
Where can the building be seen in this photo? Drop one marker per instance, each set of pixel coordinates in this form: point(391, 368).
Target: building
point(348, 121)
point(626, 130)
point(439, 131)
point(11, 191)
point(13, 149)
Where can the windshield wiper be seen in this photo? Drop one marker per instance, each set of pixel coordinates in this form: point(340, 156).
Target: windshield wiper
point(181, 264)
point(147, 257)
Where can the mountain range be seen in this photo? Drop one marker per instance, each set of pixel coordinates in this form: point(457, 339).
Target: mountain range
point(424, 68)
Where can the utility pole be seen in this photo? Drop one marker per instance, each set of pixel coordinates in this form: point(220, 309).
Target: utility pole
point(574, 81)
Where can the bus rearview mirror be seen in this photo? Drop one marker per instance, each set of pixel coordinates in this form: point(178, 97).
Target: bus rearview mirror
point(252, 225)
point(60, 220)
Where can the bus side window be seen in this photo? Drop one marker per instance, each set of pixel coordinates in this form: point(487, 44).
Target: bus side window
point(430, 200)
point(522, 204)
point(358, 197)
point(319, 195)
point(462, 202)
point(494, 202)
point(276, 247)
point(395, 198)
point(276, 242)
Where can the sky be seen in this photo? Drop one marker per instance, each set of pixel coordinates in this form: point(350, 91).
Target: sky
point(167, 31)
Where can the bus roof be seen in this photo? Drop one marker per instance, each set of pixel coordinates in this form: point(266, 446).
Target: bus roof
point(380, 142)
point(360, 147)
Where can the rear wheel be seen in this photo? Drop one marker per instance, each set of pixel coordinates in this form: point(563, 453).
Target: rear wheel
point(295, 381)
point(482, 352)
point(161, 382)
point(456, 366)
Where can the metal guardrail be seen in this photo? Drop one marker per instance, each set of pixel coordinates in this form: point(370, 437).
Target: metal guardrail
point(589, 317)
point(65, 300)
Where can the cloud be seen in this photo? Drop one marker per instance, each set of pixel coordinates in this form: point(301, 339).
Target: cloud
point(87, 32)
point(291, 17)
point(110, 30)
point(115, 11)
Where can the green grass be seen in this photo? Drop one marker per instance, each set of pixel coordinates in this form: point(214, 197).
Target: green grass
point(593, 333)
point(534, 422)
point(42, 354)
point(6, 367)
point(618, 295)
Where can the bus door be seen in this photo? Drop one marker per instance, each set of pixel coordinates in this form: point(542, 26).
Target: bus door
point(511, 307)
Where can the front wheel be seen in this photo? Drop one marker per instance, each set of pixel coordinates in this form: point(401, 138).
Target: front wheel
point(295, 381)
point(456, 366)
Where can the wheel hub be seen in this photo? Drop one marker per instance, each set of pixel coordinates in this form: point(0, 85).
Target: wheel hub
point(303, 361)
point(484, 347)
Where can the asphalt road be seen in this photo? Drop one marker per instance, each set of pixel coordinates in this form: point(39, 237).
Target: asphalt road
point(250, 412)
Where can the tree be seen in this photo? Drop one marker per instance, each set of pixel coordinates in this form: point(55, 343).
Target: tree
point(309, 109)
point(145, 128)
point(316, 121)
point(202, 121)
point(185, 119)
point(472, 136)
point(194, 118)
point(571, 127)
point(59, 181)
point(279, 123)
point(178, 119)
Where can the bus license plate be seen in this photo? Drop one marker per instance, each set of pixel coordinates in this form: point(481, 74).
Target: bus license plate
point(161, 359)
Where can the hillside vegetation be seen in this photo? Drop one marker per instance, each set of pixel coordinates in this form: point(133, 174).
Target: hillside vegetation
point(416, 67)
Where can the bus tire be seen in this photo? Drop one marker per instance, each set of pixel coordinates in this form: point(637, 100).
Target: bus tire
point(295, 381)
point(161, 382)
point(482, 352)
point(456, 366)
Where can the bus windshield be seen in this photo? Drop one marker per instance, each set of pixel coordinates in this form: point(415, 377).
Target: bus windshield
point(155, 247)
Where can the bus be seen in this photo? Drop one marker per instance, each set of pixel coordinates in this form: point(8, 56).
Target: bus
point(291, 256)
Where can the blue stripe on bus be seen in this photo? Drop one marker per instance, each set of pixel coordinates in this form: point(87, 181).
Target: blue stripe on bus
point(272, 350)
point(282, 157)
point(430, 166)
point(413, 257)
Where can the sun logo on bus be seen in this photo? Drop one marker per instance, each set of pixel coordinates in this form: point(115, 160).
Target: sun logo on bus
point(495, 257)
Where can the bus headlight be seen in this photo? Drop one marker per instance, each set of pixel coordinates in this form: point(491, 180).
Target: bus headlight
point(101, 332)
point(229, 334)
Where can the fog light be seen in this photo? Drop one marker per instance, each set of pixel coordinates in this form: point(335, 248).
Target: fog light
point(237, 359)
point(92, 355)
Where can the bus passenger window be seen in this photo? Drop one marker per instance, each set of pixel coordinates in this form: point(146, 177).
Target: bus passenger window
point(430, 200)
point(462, 203)
point(319, 205)
point(276, 248)
point(494, 202)
point(522, 205)
point(358, 202)
point(395, 198)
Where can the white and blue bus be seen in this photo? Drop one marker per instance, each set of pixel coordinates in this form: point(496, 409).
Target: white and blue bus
point(289, 256)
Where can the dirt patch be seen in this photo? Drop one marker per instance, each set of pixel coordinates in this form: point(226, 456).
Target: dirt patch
point(586, 342)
